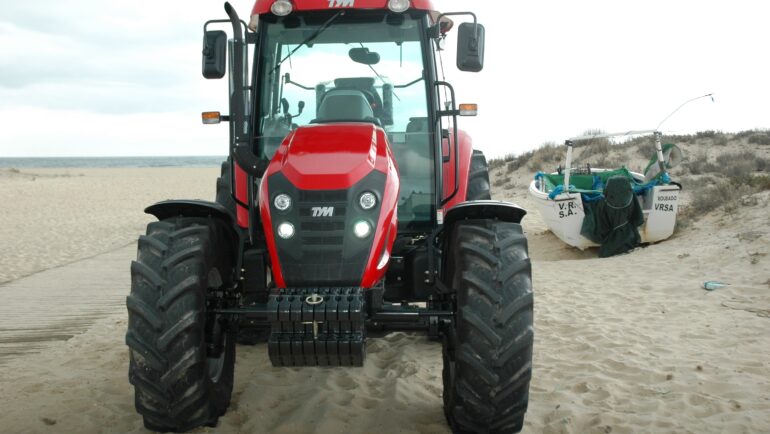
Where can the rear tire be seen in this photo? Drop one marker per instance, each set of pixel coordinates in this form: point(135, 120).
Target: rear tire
point(478, 178)
point(181, 355)
point(224, 191)
point(488, 350)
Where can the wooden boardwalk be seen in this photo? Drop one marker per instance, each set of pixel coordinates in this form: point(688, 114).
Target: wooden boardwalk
point(61, 302)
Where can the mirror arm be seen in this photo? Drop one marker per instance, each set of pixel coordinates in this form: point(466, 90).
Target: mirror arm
point(206, 24)
point(435, 30)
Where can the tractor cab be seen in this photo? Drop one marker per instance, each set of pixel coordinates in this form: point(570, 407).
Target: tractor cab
point(354, 66)
point(350, 203)
point(341, 64)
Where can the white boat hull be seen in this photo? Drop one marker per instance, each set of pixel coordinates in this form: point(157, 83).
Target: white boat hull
point(564, 214)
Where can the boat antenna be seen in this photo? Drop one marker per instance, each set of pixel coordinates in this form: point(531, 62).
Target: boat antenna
point(684, 104)
point(659, 135)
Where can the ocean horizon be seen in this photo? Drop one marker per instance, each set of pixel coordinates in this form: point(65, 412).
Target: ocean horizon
point(110, 162)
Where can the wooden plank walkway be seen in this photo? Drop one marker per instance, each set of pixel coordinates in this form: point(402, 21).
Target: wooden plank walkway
point(61, 302)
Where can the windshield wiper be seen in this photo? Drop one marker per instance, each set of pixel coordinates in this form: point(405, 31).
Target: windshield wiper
point(310, 38)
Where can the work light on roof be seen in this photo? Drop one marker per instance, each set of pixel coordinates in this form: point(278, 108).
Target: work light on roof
point(398, 6)
point(281, 8)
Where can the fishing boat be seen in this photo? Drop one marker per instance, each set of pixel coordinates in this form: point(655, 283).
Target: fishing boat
point(564, 209)
point(615, 209)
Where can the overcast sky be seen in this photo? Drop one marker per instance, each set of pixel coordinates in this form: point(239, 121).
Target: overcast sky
point(96, 78)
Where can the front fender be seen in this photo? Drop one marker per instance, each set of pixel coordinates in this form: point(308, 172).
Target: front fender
point(195, 208)
point(484, 209)
point(189, 208)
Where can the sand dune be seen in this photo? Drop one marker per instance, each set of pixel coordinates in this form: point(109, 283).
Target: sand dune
point(627, 344)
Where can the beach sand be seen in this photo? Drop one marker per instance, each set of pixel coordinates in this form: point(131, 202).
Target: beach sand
point(629, 344)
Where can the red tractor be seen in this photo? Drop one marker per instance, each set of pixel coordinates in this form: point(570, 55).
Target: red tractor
point(364, 210)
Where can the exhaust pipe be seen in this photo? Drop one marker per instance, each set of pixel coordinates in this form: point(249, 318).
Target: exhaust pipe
point(240, 148)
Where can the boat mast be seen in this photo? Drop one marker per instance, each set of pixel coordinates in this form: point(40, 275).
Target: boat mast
point(568, 167)
point(659, 150)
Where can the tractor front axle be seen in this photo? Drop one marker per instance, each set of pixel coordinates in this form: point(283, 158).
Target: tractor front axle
point(327, 326)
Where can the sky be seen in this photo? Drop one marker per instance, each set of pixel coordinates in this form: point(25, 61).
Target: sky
point(96, 78)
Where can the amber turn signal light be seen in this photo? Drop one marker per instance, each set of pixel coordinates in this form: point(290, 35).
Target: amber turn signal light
point(210, 118)
point(469, 109)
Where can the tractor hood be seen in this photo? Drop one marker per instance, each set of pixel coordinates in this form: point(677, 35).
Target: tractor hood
point(331, 157)
point(326, 236)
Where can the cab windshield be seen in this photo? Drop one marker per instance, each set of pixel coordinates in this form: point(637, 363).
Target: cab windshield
point(351, 66)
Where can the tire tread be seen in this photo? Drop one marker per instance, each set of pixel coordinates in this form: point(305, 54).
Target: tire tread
point(488, 354)
point(168, 362)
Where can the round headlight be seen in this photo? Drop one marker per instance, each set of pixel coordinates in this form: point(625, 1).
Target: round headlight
point(286, 230)
point(398, 6)
point(362, 229)
point(368, 200)
point(282, 202)
point(281, 8)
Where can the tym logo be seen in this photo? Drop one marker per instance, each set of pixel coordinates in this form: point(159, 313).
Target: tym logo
point(341, 3)
point(326, 211)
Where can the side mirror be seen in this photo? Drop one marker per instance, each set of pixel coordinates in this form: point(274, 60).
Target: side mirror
point(470, 47)
point(214, 54)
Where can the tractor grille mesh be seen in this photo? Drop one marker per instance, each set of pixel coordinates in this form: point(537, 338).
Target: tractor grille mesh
point(324, 252)
point(323, 232)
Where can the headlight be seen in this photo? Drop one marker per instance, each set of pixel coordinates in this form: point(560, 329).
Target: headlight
point(367, 200)
point(362, 229)
point(286, 230)
point(281, 8)
point(398, 6)
point(282, 202)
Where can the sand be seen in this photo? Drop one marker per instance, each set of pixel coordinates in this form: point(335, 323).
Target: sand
point(624, 345)
point(51, 217)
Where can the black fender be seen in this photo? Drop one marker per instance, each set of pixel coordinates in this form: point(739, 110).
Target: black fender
point(189, 208)
point(196, 208)
point(471, 210)
point(484, 209)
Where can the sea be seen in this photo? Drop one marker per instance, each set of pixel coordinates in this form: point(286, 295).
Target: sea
point(106, 162)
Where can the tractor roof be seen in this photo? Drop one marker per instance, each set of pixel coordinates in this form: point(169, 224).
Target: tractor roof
point(263, 6)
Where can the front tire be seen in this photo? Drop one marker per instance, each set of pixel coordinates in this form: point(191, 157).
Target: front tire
point(488, 350)
point(182, 355)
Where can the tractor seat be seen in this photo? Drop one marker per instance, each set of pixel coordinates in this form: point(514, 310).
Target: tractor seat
point(365, 85)
point(343, 105)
